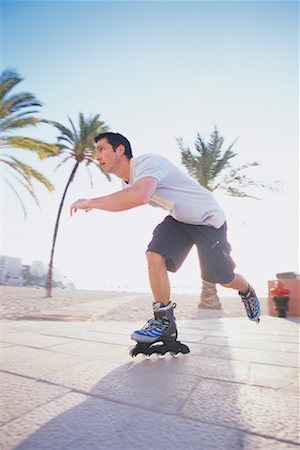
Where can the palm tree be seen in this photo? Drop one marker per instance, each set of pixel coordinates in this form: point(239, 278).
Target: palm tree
point(79, 146)
point(211, 166)
point(17, 111)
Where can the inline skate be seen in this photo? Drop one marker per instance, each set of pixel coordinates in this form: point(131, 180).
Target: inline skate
point(159, 335)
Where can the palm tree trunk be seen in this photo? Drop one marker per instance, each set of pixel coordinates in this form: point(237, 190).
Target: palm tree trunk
point(48, 284)
point(209, 298)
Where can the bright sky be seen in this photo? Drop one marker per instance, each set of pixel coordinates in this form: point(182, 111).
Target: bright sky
point(156, 71)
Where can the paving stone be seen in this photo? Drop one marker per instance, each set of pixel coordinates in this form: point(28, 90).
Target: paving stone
point(208, 367)
point(252, 442)
point(20, 395)
point(268, 329)
point(24, 428)
point(78, 422)
point(177, 433)
point(184, 337)
point(260, 356)
point(89, 350)
point(30, 339)
point(255, 409)
point(109, 338)
point(243, 343)
point(48, 328)
point(86, 375)
point(151, 431)
point(34, 362)
point(289, 347)
point(146, 385)
point(199, 349)
point(4, 345)
point(236, 335)
point(83, 376)
point(285, 378)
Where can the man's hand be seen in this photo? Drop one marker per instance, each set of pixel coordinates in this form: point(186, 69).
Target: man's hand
point(82, 203)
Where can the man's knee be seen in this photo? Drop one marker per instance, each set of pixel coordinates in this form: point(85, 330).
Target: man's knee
point(226, 285)
point(230, 284)
point(155, 259)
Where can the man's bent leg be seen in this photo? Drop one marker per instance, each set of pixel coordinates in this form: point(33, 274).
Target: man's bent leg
point(239, 283)
point(158, 277)
point(247, 294)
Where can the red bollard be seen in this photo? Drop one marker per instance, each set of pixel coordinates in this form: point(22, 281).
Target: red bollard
point(280, 298)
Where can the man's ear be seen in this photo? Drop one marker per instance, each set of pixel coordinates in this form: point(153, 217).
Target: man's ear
point(120, 149)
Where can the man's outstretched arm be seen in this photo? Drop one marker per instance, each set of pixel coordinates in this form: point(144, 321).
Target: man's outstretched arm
point(136, 195)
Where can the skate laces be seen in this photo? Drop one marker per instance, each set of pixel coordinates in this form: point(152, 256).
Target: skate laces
point(152, 323)
point(157, 306)
point(248, 305)
point(251, 302)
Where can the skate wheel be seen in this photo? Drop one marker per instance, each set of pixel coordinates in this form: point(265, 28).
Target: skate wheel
point(174, 355)
point(147, 356)
point(130, 351)
point(160, 355)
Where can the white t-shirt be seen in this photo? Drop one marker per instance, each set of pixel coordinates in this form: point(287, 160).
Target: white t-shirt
point(185, 199)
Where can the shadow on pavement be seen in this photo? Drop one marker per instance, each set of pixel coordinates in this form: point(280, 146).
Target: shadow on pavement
point(200, 401)
point(171, 403)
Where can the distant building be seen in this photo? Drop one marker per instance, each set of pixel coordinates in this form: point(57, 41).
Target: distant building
point(10, 270)
point(26, 276)
point(38, 269)
point(57, 275)
point(13, 272)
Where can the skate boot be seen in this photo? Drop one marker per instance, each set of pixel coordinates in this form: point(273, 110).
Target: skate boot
point(160, 329)
point(251, 304)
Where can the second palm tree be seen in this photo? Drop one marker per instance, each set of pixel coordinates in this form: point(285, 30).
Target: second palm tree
point(210, 165)
point(76, 144)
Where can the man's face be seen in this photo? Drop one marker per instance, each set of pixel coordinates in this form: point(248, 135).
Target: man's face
point(106, 156)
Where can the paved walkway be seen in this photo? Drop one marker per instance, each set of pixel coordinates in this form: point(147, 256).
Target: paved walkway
point(68, 383)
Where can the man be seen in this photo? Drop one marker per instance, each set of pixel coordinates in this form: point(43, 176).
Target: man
point(194, 218)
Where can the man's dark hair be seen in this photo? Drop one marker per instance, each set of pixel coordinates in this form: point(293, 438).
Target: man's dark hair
point(115, 139)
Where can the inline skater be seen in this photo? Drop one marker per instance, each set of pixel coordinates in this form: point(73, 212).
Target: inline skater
point(194, 218)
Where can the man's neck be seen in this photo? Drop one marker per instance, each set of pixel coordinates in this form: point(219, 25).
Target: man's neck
point(123, 170)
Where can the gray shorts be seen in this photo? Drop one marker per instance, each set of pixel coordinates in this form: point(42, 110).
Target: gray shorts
point(174, 240)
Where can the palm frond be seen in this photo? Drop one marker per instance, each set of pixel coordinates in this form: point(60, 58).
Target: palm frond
point(22, 100)
point(66, 139)
point(8, 80)
point(235, 192)
point(18, 111)
point(63, 162)
point(27, 172)
point(43, 149)
point(38, 176)
point(211, 166)
point(26, 183)
point(215, 142)
point(90, 176)
point(221, 163)
point(13, 122)
point(18, 197)
point(75, 133)
point(19, 114)
point(65, 132)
